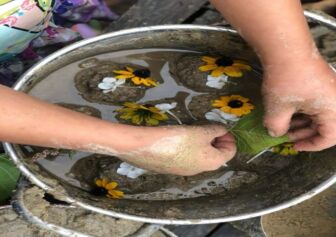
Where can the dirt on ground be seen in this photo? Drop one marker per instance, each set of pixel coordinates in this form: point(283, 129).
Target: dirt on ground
point(11, 225)
point(313, 218)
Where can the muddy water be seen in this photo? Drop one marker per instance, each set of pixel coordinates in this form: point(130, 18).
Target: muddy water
point(60, 87)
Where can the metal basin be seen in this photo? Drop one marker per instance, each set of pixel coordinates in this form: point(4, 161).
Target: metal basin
point(302, 179)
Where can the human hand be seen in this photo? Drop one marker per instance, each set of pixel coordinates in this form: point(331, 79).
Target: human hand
point(181, 150)
point(307, 88)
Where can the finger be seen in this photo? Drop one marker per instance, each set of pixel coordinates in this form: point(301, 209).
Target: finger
point(303, 133)
point(298, 122)
point(277, 122)
point(214, 131)
point(225, 145)
point(220, 156)
point(316, 143)
point(324, 139)
point(226, 138)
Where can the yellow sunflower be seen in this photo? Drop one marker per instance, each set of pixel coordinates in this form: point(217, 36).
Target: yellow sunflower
point(140, 114)
point(285, 149)
point(106, 188)
point(138, 77)
point(224, 65)
point(234, 104)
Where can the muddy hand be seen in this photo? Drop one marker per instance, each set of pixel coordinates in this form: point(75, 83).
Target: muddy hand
point(312, 93)
point(181, 150)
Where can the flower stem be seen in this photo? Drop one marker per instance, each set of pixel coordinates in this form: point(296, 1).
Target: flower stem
point(175, 117)
point(258, 155)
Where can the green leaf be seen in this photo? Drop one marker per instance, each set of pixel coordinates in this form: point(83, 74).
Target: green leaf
point(9, 176)
point(252, 137)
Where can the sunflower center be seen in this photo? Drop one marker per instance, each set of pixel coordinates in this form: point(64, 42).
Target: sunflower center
point(235, 104)
point(99, 191)
point(224, 62)
point(142, 73)
point(144, 113)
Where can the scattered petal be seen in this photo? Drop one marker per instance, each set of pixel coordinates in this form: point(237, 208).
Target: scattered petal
point(220, 116)
point(217, 82)
point(109, 84)
point(164, 107)
point(130, 171)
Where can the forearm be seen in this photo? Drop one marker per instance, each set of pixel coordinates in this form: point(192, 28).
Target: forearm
point(26, 120)
point(277, 30)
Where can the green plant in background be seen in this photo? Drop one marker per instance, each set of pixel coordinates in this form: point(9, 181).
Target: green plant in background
point(252, 137)
point(9, 176)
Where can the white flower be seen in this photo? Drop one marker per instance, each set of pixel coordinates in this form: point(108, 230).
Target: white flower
point(220, 116)
point(164, 107)
point(217, 82)
point(110, 84)
point(130, 171)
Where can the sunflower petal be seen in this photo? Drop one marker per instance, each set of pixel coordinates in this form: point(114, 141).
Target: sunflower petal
point(137, 119)
point(226, 109)
point(124, 76)
point(209, 60)
point(137, 81)
point(218, 72)
point(242, 66)
point(150, 82)
point(233, 71)
point(104, 183)
point(127, 116)
point(238, 97)
point(130, 69)
point(116, 194)
point(99, 182)
point(145, 82)
point(160, 116)
point(123, 72)
point(239, 111)
point(219, 103)
point(208, 67)
point(151, 121)
point(131, 105)
point(111, 185)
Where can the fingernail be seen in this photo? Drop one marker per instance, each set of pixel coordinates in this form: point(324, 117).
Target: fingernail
point(271, 133)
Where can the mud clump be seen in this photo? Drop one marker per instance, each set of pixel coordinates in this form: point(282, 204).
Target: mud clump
point(201, 104)
point(87, 80)
point(185, 71)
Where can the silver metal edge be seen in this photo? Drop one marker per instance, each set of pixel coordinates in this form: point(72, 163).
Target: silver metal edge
point(33, 179)
point(321, 18)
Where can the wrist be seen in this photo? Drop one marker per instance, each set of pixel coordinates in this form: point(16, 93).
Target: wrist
point(126, 138)
point(295, 68)
point(291, 57)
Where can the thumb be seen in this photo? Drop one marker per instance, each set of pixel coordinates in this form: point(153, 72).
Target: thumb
point(277, 121)
point(213, 131)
